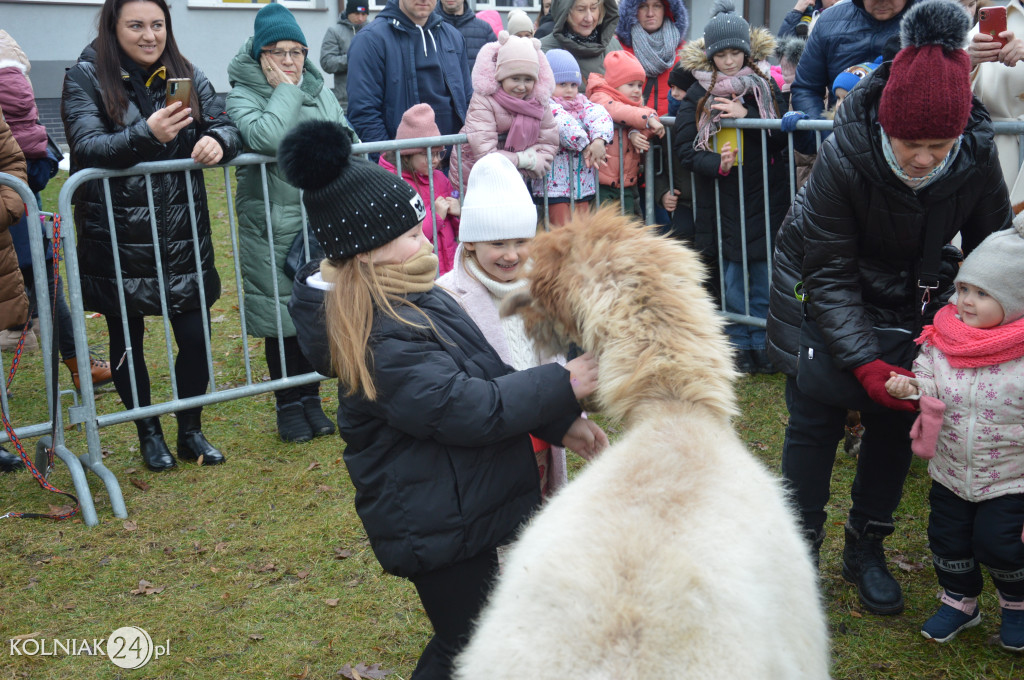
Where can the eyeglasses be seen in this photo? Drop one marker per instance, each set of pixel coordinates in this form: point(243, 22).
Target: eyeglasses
point(294, 54)
point(438, 155)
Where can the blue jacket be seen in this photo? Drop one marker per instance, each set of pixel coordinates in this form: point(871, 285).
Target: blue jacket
point(381, 63)
point(843, 36)
point(476, 32)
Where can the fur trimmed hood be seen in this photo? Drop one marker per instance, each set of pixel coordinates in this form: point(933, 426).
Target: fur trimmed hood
point(675, 11)
point(485, 82)
point(762, 45)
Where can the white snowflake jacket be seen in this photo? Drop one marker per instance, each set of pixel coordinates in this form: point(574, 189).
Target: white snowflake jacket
point(575, 133)
point(980, 453)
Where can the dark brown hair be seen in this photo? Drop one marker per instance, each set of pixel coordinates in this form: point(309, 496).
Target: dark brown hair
point(108, 59)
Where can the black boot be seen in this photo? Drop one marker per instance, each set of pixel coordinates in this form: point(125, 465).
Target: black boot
point(292, 425)
point(10, 462)
point(814, 538)
point(864, 566)
point(152, 445)
point(318, 421)
point(192, 444)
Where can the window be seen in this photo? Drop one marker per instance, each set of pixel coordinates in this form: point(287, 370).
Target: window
point(249, 4)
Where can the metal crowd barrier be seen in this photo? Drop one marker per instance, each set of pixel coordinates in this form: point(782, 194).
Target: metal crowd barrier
point(85, 413)
point(51, 432)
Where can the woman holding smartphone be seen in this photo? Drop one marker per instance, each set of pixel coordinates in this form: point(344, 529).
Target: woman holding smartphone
point(114, 113)
point(274, 87)
point(997, 83)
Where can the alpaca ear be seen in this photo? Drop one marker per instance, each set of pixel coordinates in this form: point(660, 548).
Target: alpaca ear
point(514, 302)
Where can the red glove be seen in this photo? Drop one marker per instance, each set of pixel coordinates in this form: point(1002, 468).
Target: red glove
point(873, 375)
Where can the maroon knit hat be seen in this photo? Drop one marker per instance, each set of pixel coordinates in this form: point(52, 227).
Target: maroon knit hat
point(928, 94)
point(418, 121)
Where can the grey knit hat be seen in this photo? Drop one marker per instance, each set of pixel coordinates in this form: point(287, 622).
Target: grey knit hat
point(997, 267)
point(726, 30)
point(353, 205)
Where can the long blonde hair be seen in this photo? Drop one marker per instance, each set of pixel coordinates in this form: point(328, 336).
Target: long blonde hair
point(349, 308)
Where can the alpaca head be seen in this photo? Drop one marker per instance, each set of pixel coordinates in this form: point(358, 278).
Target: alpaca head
point(610, 285)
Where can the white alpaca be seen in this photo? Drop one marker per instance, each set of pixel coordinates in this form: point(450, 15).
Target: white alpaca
point(674, 554)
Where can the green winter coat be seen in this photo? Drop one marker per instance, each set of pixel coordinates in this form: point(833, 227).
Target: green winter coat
point(264, 115)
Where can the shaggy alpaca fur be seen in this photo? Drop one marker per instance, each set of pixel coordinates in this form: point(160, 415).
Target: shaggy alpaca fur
point(674, 553)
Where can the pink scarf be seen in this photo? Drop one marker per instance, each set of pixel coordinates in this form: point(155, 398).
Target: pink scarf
point(968, 347)
point(576, 106)
point(525, 128)
point(745, 81)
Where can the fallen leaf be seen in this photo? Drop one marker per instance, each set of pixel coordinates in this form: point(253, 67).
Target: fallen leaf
point(69, 607)
point(301, 676)
point(138, 484)
point(26, 636)
point(361, 670)
point(131, 471)
point(199, 461)
point(220, 547)
point(130, 525)
point(332, 602)
point(342, 553)
point(255, 636)
point(760, 446)
point(104, 561)
point(147, 588)
point(60, 509)
point(323, 488)
point(303, 574)
point(168, 550)
point(909, 566)
point(313, 466)
point(45, 560)
point(198, 548)
point(269, 566)
point(220, 318)
point(856, 614)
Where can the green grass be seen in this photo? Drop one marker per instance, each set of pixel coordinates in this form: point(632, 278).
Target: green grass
point(266, 572)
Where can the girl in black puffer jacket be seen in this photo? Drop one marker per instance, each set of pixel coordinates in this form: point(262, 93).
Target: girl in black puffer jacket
point(436, 425)
point(114, 117)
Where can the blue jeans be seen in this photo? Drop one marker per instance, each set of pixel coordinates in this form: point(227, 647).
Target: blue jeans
point(743, 336)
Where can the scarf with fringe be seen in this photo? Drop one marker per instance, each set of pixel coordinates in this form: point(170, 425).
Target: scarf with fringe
point(744, 82)
point(415, 275)
point(656, 51)
point(525, 129)
point(969, 347)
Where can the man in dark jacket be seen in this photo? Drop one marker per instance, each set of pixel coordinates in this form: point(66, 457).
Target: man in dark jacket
point(477, 32)
point(407, 55)
point(906, 163)
point(849, 33)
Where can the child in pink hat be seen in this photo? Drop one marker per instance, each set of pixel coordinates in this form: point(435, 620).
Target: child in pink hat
point(509, 114)
point(441, 226)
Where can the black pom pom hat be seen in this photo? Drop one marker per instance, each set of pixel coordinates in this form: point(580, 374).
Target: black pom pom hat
point(353, 205)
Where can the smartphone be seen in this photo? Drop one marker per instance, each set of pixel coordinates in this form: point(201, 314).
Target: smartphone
point(992, 20)
point(179, 90)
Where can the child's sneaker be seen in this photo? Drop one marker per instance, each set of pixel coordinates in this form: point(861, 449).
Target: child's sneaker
point(957, 613)
point(1011, 631)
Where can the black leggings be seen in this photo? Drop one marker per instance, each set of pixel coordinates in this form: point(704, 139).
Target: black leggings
point(296, 363)
point(65, 336)
point(190, 368)
point(452, 598)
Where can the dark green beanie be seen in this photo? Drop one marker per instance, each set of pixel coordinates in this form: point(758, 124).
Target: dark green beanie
point(275, 22)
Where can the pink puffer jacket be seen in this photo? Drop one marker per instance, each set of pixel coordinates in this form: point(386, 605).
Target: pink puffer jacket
point(486, 120)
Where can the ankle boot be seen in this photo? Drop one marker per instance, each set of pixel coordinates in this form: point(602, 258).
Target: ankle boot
point(152, 445)
point(815, 537)
point(10, 462)
point(864, 566)
point(318, 421)
point(192, 444)
point(292, 425)
point(99, 369)
point(1011, 629)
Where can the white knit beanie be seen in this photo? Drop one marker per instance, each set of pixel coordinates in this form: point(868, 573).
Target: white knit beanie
point(997, 267)
point(497, 206)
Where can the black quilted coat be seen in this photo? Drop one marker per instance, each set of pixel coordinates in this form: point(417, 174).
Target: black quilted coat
point(441, 463)
point(855, 234)
point(96, 141)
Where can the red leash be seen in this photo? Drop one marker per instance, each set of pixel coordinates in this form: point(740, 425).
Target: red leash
point(40, 477)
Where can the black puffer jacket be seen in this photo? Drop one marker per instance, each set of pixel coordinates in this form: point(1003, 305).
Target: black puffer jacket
point(855, 234)
point(441, 463)
point(476, 31)
point(96, 141)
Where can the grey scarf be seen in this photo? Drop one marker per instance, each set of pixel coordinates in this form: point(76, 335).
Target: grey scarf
point(656, 51)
